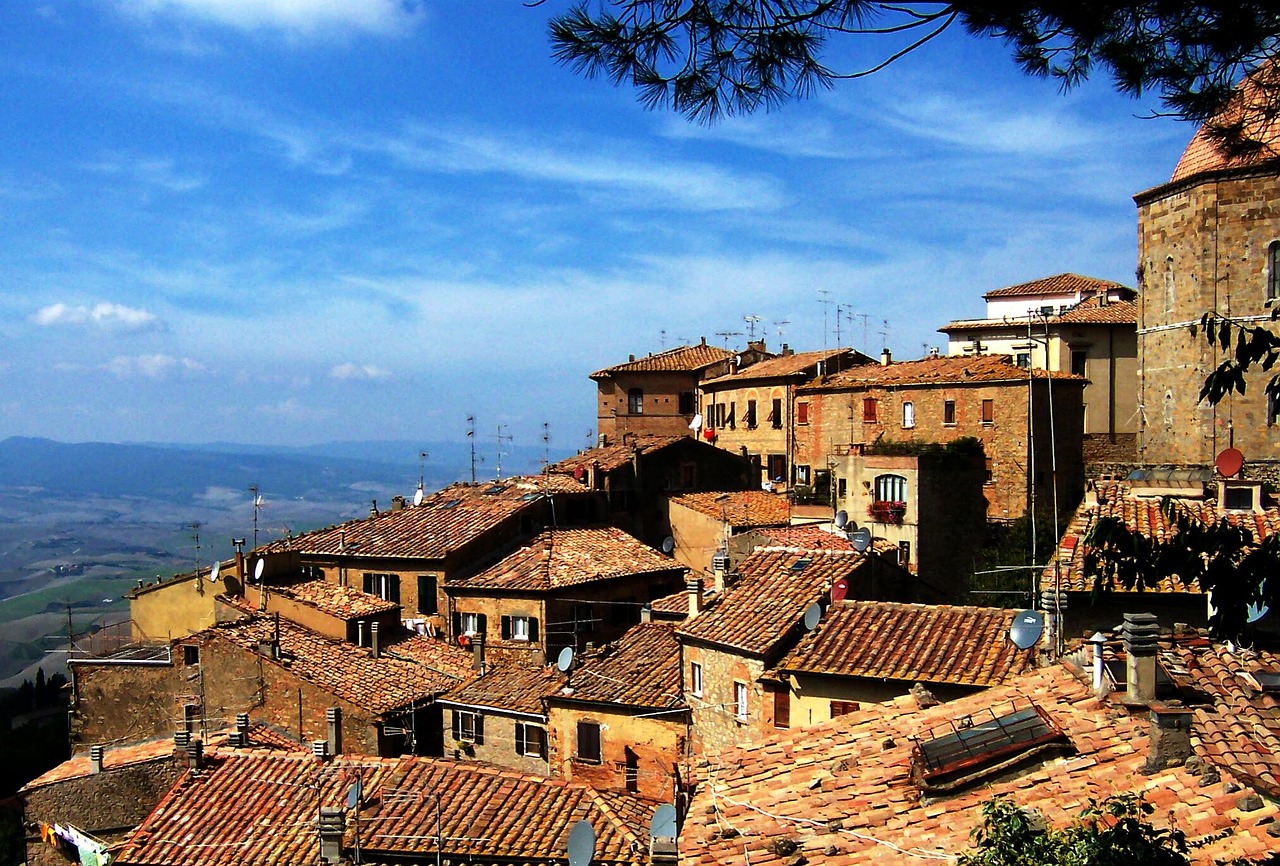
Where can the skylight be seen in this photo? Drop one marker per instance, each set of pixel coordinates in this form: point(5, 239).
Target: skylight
point(494, 490)
point(974, 747)
point(1268, 681)
point(800, 564)
point(452, 503)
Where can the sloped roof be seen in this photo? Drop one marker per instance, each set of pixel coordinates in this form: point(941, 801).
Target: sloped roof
point(611, 457)
point(640, 669)
point(446, 521)
point(797, 364)
point(517, 688)
point(842, 793)
point(964, 646)
point(809, 536)
point(1204, 155)
point(1088, 312)
point(253, 808)
point(682, 359)
point(408, 670)
point(770, 598)
point(568, 557)
point(1058, 284)
point(343, 602)
point(943, 370)
point(741, 509)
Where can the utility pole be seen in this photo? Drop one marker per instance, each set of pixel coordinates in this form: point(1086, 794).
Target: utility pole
point(471, 440)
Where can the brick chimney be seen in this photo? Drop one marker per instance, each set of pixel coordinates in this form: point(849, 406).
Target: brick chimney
point(1140, 633)
point(694, 588)
point(95, 758)
point(195, 755)
point(1170, 737)
point(333, 719)
point(331, 826)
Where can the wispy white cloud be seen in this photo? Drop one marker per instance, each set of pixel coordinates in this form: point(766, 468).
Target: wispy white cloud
point(292, 410)
point(150, 366)
point(350, 371)
point(150, 171)
point(104, 315)
point(295, 17)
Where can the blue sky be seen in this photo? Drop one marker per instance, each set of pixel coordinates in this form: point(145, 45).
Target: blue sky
point(297, 221)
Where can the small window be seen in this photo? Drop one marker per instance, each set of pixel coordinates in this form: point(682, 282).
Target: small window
point(802, 413)
point(688, 475)
point(891, 488)
point(908, 414)
point(843, 708)
point(778, 467)
point(631, 771)
point(1273, 271)
point(470, 624)
point(427, 602)
point(740, 701)
point(802, 474)
point(904, 553)
point(842, 489)
point(687, 404)
point(583, 618)
point(589, 742)
point(384, 586)
point(988, 412)
point(949, 413)
point(750, 417)
point(521, 628)
point(869, 409)
point(990, 471)
point(775, 417)
point(191, 654)
point(468, 727)
point(782, 708)
point(695, 679)
point(1078, 359)
point(531, 740)
point(635, 401)
point(1023, 360)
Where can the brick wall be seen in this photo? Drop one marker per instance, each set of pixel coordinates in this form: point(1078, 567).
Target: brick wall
point(661, 414)
point(652, 746)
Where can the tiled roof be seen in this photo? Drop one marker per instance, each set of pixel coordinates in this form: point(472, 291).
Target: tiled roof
point(253, 809)
point(1088, 312)
point(343, 602)
point(741, 509)
point(1059, 284)
point(1144, 514)
point(786, 366)
point(517, 688)
point(770, 597)
point(1204, 155)
point(810, 536)
point(409, 670)
point(445, 521)
point(682, 359)
point(567, 557)
point(964, 646)
point(611, 457)
point(641, 669)
point(841, 792)
point(956, 370)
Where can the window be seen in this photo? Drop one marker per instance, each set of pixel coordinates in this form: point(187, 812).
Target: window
point(908, 414)
point(589, 742)
point(869, 409)
point(777, 467)
point(1078, 358)
point(468, 727)
point(740, 701)
point(750, 417)
point(1023, 360)
point(949, 413)
point(802, 474)
point(1273, 410)
point(904, 553)
point(842, 489)
point(843, 708)
point(523, 628)
point(312, 572)
point(384, 586)
point(988, 412)
point(631, 771)
point(968, 746)
point(635, 401)
point(469, 624)
point(990, 474)
point(802, 413)
point(775, 417)
point(891, 488)
point(1273, 271)
point(427, 602)
point(782, 708)
point(732, 421)
point(688, 475)
point(531, 740)
point(695, 679)
point(190, 654)
point(687, 403)
point(583, 618)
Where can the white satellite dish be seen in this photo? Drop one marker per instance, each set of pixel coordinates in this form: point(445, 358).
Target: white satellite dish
point(842, 519)
point(582, 844)
point(417, 497)
point(564, 662)
point(1027, 627)
point(663, 825)
point(668, 545)
point(861, 539)
point(1256, 612)
point(812, 616)
point(215, 571)
point(259, 568)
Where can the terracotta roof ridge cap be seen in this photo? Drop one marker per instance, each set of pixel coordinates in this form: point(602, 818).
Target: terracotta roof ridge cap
point(604, 806)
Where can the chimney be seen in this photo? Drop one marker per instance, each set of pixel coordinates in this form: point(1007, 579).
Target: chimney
point(787, 350)
point(704, 341)
point(694, 587)
point(663, 851)
point(195, 755)
point(331, 826)
point(397, 503)
point(333, 718)
point(477, 651)
point(719, 565)
point(181, 739)
point(374, 640)
point(886, 357)
point(360, 633)
point(602, 441)
point(320, 749)
point(373, 509)
point(1099, 642)
point(1140, 633)
point(240, 566)
point(240, 738)
point(95, 758)
point(1170, 737)
point(646, 613)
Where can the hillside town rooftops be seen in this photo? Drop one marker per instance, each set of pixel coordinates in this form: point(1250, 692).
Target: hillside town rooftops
point(1059, 284)
point(609, 458)
point(1089, 312)
point(510, 688)
point(791, 365)
point(965, 646)
point(640, 669)
point(954, 370)
point(740, 509)
point(809, 536)
point(682, 359)
point(343, 602)
point(558, 558)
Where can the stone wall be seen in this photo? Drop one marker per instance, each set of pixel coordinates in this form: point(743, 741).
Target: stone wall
point(652, 746)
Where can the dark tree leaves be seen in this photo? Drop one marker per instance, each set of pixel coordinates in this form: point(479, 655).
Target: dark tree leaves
point(1247, 346)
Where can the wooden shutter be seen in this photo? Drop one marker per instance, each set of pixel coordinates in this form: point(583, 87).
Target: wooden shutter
point(506, 628)
point(457, 725)
point(482, 624)
point(782, 708)
point(533, 629)
point(479, 737)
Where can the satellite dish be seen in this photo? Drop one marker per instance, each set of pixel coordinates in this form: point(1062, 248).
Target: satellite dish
point(1027, 627)
point(663, 825)
point(582, 844)
point(840, 589)
point(215, 571)
point(354, 794)
point(1228, 462)
point(1256, 612)
point(811, 616)
point(417, 497)
point(259, 568)
point(842, 519)
point(668, 545)
point(565, 660)
point(861, 539)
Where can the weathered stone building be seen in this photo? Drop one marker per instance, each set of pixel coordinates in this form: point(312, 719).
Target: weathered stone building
point(657, 394)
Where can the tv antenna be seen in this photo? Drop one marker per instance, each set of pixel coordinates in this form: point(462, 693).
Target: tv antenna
point(826, 302)
point(422, 475)
point(257, 505)
point(751, 321)
point(866, 317)
point(499, 438)
point(471, 440)
point(727, 335)
point(662, 339)
point(884, 333)
point(194, 526)
point(777, 326)
point(841, 311)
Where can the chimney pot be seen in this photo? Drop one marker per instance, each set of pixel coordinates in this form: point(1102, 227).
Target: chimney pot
point(333, 720)
point(95, 758)
point(360, 633)
point(330, 827)
point(646, 613)
point(886, 357)
point(1141, 631)
point(195, 754)
point(320, 749)
point(1170, 737)
point(477, 651)
point(374, 640)
point(694, 587)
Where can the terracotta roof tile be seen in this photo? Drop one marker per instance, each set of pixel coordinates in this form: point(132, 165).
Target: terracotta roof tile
point(640, 669)
point(810, 536)
point(794, 365)
point(1058, 284)
point(956, 370)
point(334, 599)
point(771, 596)
point(1204, 155)
point(841, 792)
point(516, 688)
point(445, 522)
point(682, 359)
point(568, 557)
point(611, 457)
point(966, 646)
point(1092, 313)
point(742, 509)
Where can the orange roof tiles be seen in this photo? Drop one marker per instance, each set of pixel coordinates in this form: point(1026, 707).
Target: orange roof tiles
point(741, 509)
point(611, 457)
point(967, 646)
point(810, 536)
point(1059, 284)
point(841, 792)
point(682, 359)
point(334, 599)
point(445, 522)
point(515, 688)
point(557, 558)
point(1090, 312)
point(788, 366)
point(983, 369)
point(770, 598)
point(640, 669)
point(1203, 154)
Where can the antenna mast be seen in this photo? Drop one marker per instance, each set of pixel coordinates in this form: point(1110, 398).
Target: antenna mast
point(727, 335)
point(471, 440)
point(499, 438)
point(194, 526)
point(751, 321)
point(826, 302)
point(257, 504)
point(422, 469)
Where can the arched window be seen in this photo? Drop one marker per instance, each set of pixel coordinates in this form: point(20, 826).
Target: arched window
point(891, 488)
point(635, 401)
